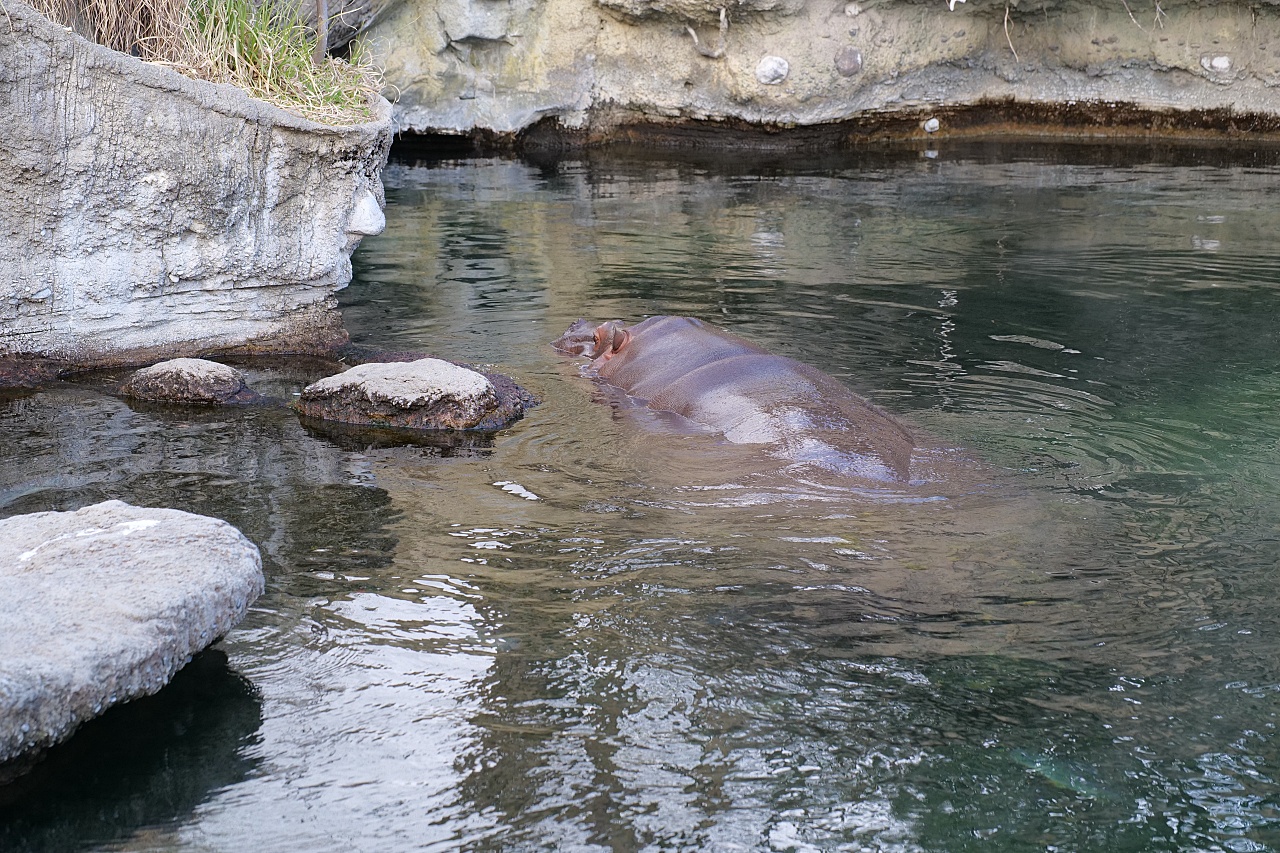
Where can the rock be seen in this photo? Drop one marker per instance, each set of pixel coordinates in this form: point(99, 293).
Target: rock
point(701, 10)
point(1216, 64)
point(104, 605)
point(149, 214)
point(428, 393)
point(188, 380)
point(848, 61)
point(599, 71)
point(347, 18)
point(22, 373)
point(772, 70)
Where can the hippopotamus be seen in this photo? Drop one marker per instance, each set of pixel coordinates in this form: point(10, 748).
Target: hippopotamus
point(751, 396)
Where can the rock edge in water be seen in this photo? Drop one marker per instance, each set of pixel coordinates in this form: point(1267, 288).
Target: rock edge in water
point(421, 394)
point(104, 605)
point(189, 380)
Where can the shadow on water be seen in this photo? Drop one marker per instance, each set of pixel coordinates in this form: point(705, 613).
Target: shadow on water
point(445, 443)
point(149, 762)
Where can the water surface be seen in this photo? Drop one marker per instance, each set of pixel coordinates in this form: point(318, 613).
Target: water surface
point(596, 632)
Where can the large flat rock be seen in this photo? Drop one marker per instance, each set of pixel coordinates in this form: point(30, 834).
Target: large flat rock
point(103, 605)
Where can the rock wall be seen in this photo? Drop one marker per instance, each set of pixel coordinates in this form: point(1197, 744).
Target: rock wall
point(149, 214)
point(597, 67)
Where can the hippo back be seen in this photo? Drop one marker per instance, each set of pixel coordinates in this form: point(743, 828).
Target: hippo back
point(714, 378)
point(662, 349)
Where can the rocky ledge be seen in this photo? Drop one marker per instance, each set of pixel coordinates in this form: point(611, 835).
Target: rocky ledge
point(599, 71)
point(103, 605)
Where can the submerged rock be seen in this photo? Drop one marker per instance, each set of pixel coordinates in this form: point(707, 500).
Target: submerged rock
point(18, 373)
point(104, 605)
point(189, 380)
point(427, 393)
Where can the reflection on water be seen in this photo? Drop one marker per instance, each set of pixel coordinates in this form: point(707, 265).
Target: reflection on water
point(599, 631)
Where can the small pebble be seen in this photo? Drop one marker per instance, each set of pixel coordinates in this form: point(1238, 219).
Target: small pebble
point(848, 61)
point(772, 70)
point(1218, 64)
point(932, 125)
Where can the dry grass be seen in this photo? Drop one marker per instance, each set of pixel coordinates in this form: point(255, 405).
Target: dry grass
point(151, 29)
point(259, 45)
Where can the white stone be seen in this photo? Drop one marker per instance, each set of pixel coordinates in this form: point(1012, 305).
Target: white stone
point(408, 384)
point(772, 70)
point(931, 125)
point(104, 605)
point(367, 218)
point(1217, 64)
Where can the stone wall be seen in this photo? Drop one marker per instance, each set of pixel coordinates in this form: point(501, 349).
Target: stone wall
point(149, 214)
point(597, 67)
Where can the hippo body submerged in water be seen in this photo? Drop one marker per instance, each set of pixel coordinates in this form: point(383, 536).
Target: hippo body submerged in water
point(718, 380)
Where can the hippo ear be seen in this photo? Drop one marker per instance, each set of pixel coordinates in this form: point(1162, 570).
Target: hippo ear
point(620, 340)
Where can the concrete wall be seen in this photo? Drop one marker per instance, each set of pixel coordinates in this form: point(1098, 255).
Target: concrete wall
point(148, 214)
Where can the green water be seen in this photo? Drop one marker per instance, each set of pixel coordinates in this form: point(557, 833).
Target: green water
point(596, 632)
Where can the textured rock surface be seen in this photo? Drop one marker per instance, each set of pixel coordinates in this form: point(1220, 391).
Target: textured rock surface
point(428, 393)
point(147, 214)
point(188, 380)
point(598, 66)
point(105, 604)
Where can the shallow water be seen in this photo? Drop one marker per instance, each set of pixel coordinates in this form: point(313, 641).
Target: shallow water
point(600, 632)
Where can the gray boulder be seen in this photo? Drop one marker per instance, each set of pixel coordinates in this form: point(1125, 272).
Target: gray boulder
point(188, 380)
point(104, 605)
point(428, 393)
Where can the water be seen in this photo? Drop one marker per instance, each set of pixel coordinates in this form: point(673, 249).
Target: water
point(597, 632)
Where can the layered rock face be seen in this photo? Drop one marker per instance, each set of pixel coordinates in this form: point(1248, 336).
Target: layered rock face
point(597, 67)
point(148, 214)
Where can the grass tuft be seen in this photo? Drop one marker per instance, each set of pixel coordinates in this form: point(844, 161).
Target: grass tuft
point(262, 46)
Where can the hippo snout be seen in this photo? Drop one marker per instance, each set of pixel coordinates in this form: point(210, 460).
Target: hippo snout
point(578, 339)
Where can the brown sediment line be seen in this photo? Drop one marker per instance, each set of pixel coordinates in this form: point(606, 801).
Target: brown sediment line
point(992, 121)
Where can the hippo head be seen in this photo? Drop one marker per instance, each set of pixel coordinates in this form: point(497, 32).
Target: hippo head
point(600, 342)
